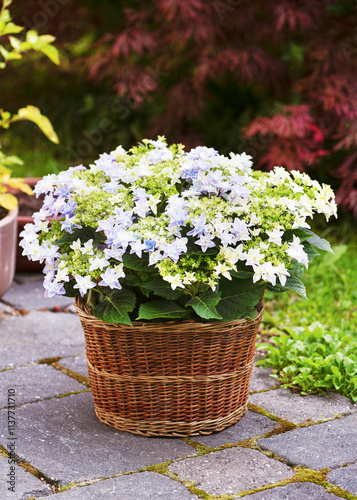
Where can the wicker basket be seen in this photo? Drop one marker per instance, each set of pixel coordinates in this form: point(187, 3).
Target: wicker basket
point(170, 379)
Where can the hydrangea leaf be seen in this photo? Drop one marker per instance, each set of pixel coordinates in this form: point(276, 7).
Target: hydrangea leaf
point(70, 291)
point(238, 297)
point(293, 283)
point(135, 263)
point(320, 243)
point(115, 306)
point(161, 309)
point(204, 304)
point(309, 250)
point(162, 288)
point(84, 234)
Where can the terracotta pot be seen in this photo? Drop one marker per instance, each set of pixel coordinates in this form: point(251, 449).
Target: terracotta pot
point(8, 246)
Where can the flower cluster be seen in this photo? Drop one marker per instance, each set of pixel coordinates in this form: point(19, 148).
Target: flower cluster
point(187, 219)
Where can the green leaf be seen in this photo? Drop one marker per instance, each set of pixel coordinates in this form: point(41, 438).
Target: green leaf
point(70, 291)
point(51, 52)
point(242, 274)
point(193, 249)
point(34, 114)
point(115, 305)
point(135, 263)
point(292, 283)
point(238, 297)
point(309, 250)
point(10, 29)
point(302, 233)
point(162, 288)
point(164, 309)
point(84, 234)
point(320, 243)
point(204, 304)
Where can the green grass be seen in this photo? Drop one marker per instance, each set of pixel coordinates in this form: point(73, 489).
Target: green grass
point(312, 344)
point(331, 284)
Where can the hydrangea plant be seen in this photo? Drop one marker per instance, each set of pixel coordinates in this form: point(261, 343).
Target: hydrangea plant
point(157, 233)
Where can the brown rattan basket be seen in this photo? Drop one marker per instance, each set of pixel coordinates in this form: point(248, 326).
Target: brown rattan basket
point(170, 379)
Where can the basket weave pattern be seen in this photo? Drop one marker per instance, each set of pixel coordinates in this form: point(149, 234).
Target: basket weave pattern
point(170, 379)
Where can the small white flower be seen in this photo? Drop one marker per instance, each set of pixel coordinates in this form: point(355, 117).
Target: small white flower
point(175, 281)
point(275, 236)
point(83, 283)
point(254, 256)
point(282, 273)
point(76, 246)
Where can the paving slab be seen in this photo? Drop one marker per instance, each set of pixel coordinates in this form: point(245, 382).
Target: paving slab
point(331, 444)
point(29, 296)
point(24, 484)
point(345, 477)
point(23, 278)
point(296, 408)
point(231, 471)
point(64, 439)
point(250, 425)
point(139, 486)
point(78, 364)
point(38, 335)
point(35, 382)
point(261, 379)
point(294, 491)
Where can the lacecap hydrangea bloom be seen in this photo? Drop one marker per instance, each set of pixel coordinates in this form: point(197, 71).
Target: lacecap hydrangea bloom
point(158, 233)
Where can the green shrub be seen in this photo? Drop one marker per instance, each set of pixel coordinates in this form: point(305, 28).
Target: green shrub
point(314, 360)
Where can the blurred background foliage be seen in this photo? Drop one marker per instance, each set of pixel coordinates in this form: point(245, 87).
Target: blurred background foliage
point(276, 80)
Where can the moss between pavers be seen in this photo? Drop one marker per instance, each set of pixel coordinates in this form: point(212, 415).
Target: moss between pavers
point(67, 371)
point(53, 484)
point(305, 475)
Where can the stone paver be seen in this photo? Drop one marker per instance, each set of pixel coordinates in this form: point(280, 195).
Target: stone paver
point(231, 471)
point(59, 434)
point(250, 425)
point(296, 408)
point(64, 439)
point(25, 484)
point(39, 335)
point(78, 364)
point(261, 379)
point(35, 382)
point(345, 477)
point(294, 491)
point(140, 486)
point(331, 444)
point(29, 296)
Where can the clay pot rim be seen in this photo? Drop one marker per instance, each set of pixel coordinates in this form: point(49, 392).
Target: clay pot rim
point(12, 214)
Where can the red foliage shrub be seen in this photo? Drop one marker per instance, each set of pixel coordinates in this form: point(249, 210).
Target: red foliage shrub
point(276, 78)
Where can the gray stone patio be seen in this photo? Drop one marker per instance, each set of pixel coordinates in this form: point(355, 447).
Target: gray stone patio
point(286, 446)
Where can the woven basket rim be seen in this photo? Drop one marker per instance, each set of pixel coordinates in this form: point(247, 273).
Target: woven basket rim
point(83, 309)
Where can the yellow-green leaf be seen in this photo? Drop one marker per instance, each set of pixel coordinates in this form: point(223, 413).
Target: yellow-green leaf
point(51, 52)
point(31, 37)
point(8, 201)
point(11, 29)
point(15, 42)
point(18, 183)
point(34, 114)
